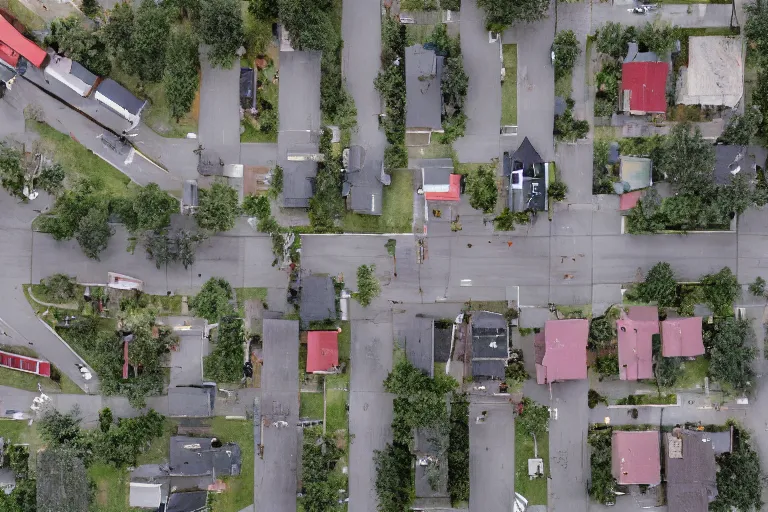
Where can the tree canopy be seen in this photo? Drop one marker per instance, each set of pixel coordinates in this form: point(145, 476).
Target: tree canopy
point(221, 27)
point(94, 231)
point(149, 40)
point(534, 418)
point(86, 46)
point(481, 187)
point(225, 363)
point(741, 128)
point(739, 480)
point(218, 208)
point(687, 160)
point(567, 50)
point(499, 14)
point(721, 291)
point(182, 67)
point(368, 286)
point(732, 350)
point(660, 286)
point(212, 302)
point(393, 477)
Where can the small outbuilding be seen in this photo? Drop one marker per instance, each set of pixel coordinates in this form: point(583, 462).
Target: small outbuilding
point(636, 172)
point(635, 457)
point(120, 100)
point(322, 351)
point(146, 495)
point(71, 74)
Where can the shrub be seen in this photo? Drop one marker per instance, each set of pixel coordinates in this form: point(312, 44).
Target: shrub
point(557, 190)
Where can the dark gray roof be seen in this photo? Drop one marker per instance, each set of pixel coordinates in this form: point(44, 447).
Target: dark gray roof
point(366, 189)
point(488, 368)
point(298, 182)
point(442, 345)
point(691, 483)
point(634, 55)
point(523, 158)
point(533, 194)
point(356, 158)
point(120, 95)
point(194, 456)
point(437, 175)
point(427, 449)
point(187, 502)
point(318, 299)
point(423, 75)
point(722, 442)
point(415, 334)
point(489, 335)
point(729, 158)
point(83, 74)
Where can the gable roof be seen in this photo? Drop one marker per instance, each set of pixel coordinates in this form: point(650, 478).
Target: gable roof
point(416, 334)
point(83, 74)
point(121, 96)
point(561, 351)
point(635, 457)
point(644, 86)
point(365, 185)
point(635, 55)
point(690, 471)
point(298, 182)
point(20, 45)
point(423, 98)
point(681, 337)
point(526, 154)
point(635, 335)
point(318, 299)
point(195, 456)
point(322, 351)
point(187, 502)
point(636, 171)
point(489, 336)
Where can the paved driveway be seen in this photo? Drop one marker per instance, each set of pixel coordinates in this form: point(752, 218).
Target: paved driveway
point(568, 453)
point(299, 91)
point(491, 457)
point(219, 123)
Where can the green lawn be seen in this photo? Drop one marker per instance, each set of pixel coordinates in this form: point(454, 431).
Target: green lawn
point(80, 162)
point(693, 373)
point(418, 34)
point(494, 306)
point(41, 293)
point(345, 341)
point(166, 304)
point(509, 86)
point(564, 86)
point(336, 410)
point(397, 209)
point(112, 486)
point(311, 406)
point(435, 149)
point(157, 114)
point(467, 168)
point(253, 134)
point(535, 491)
point(244, 294)
point(337, 381)
point(239, 493)
point(584, 311)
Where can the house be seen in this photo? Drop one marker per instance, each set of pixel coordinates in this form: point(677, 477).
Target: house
point(528, 178)
point(322, 351)
point(635, 457)
point(298, 182)
point(120, 100)
point(643, 87)
point(439, 183)
point(423, 97)
point(490, 345)
point(561, 351)
point(147, 495)
point(715, 72)
point(636, 330)
point(416, 336)
point(187, 502)
point(682, 337)
point(431, 472)
point(732, 160)
point(14, 46)
point(690, 470)
point(71, 74)
point(203, 457)
point(636, 173)
point(364, 181)
point(318, 299)
point(62, 481)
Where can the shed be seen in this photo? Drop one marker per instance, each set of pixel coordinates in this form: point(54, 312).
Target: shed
point(71, 74)
point(298, 182)
point(322, 351)
point(146, 495)
point(629, 200)
point(120, 100)
point(561, 351)
point(635, 457)
point(636, 172)
point(682, 337)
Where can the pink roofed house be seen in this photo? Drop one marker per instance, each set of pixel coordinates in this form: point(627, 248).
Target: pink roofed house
point(636, 332)
point(681, 337)
point(322, 351)
point(561, 351)
point(635, 457)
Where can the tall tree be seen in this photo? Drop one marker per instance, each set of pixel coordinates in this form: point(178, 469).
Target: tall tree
point(481, 187)
point(368, 287)
point(534, 418)
point(660, 286)
point(150, 40)
point(732, 350)
point(658, 38)
point(94, 232)
point(225, 364)
point(212, 303)
point(499, 14)
point(86, 46)
point(613, 39)
point(739, 481)
point(756, 27)
point(118, 33)
point(566, 48)
point(721, 290)
point(218, 208)
point(741, 128)
point(90, 8)
point(182, 69)
point(150, 209)
point(393, 477)
point(688, 160)
point(12, 173)
point(309, 24)
point(221, 27)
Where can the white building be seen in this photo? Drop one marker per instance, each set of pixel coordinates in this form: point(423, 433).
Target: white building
point(71, 74)
point(120, 100)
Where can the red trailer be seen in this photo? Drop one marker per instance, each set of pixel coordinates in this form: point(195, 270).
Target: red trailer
point(25, 364)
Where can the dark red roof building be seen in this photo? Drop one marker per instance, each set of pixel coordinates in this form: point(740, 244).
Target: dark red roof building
point(322, 351)
point(644, 87)
point(635, 457)
point(636, 331)
point(681, 337)
point(20, 45)
point(453, 193)
point(561, 351)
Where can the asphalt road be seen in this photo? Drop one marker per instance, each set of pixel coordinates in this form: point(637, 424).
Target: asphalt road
point(492, 457)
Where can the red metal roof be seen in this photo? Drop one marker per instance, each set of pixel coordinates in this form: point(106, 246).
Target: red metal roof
point(453, 193)
point(636, 348)
point(629, 200)
point(564, 351)
point(647, 82)
point(635, 457)
point(681, 337)
point(20, 44)
point(322, 351)
point(644, 314)
point(8, 55)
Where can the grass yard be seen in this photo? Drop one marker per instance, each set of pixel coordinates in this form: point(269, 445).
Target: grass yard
point(345, 341)
point(157, 114)
point(564, 86)
point(535, 491)
point(252, 134)
point(509, 86)
point(648, 399)
point(584, 311)
point(435, 149)
point(397, 209)
point(336, 410)
point(467, 168)
point(311, 406)
point(166, 304)
point(494, 306)
point(111, 488)
point(26, 16)
point(239, 493)
point(244, 294)
point(338, 381)
point(41, 293)
point(693, 373)
point(418, 34)
point(80, 162)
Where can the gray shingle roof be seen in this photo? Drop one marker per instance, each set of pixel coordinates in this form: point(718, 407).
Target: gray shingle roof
point(194, 456)
point(729, 158)
point(423, 76)
point(120, 95)
point(489, 335)
point(363, 178)
point(83, 74)
point(488, 368)
point(298, 182)
point(318, 299)
point(187, 502)
point(691, 481)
